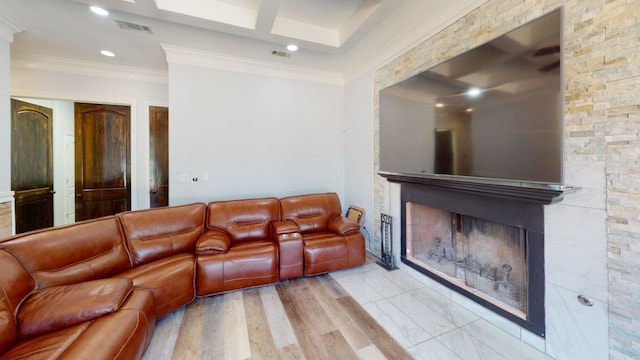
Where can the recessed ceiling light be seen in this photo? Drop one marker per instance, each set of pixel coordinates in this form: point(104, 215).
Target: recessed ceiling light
point(292, 47)
point(107, 53)
point(474, 92)
point(99, 11)
point(439, 105)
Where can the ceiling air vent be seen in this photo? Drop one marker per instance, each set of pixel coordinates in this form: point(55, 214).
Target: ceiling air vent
point(280, 53)
point(126, 25)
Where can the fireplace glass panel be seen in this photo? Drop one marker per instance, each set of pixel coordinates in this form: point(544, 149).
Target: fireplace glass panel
point(493, 261)
point(430, 240)
point(483, 257)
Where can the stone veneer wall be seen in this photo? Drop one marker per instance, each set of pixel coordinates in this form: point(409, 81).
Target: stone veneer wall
point(601, 154)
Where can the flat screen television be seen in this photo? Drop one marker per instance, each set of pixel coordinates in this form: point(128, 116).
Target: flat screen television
point(491, 114)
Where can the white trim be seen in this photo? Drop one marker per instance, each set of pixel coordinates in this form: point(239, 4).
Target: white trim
point(207, 59)
point(5, 197)
point(8, 28)
point(80, 67)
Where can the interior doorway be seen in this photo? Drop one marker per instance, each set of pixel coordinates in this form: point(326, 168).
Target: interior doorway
point(102, 160)
point(158, 156)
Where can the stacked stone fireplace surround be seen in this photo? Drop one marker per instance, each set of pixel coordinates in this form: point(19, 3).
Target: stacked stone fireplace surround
point(592, 237)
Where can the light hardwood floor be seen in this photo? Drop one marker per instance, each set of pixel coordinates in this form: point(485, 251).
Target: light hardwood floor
point(307, 318)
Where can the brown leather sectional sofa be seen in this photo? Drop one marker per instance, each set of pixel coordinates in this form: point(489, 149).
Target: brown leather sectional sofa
point(94, 290)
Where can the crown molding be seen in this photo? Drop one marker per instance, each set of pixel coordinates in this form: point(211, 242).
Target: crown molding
point(87, 68)
point(212, 60)
point(8, 28)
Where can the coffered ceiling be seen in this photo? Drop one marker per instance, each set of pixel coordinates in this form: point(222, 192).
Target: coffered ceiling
point(331, 34)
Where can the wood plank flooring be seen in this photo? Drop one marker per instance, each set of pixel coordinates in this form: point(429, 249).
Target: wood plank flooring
point(308, 318)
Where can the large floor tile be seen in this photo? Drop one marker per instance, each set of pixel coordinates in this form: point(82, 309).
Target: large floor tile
point(503, 343)
point(358, 289)
point(468, 347)
point(454, 313)
point(380, 283)
point(423, 315)
point(403, 280)
point(432, 350)
point(403, 330)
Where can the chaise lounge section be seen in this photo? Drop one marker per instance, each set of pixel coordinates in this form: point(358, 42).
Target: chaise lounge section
point(95, 289)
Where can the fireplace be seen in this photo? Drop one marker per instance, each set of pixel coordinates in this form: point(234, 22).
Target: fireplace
point(485, 258)
point(484, 241)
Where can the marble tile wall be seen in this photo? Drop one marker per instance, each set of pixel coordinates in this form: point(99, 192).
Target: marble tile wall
point(592, 239)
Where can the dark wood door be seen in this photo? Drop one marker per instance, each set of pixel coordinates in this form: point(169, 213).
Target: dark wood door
point(32, 165)
point(159, 156)
point(103, 160)
point(443, 163)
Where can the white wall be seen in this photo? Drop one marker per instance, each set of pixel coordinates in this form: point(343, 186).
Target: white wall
point(255, 135)
point(5, 118)
point(127, 89)
point(358, 164)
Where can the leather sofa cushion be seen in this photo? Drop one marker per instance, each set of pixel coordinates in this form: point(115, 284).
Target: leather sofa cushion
point(248, 219)
point(121, 335)
point(88, 250)
point(311, 212)
point(324, 252)
point(57, 307)
point(47, 346)
point(250, 263)
point(162, 232)
point(15, 285)
point(213, 242)
point(171, 280)
point(8, 330)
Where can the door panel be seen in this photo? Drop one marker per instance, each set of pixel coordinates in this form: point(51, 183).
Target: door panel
point(32, 165)
point(159, 156)
point(103, 169)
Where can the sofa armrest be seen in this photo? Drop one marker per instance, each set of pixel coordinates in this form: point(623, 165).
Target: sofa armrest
point(284, 227)
point(213, 242)
point(57, 307)
point(343, 226)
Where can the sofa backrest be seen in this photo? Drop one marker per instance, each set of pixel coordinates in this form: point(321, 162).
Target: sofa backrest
point(311, 212)
point(15, 285)
point(244, 219)
point(88, 250)
point(156, 233)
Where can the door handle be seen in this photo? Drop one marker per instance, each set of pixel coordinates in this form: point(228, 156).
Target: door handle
point(154, 191)
point(52, 192)
point(78, 195)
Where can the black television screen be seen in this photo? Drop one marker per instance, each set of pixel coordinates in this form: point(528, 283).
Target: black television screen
point(493, 113)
